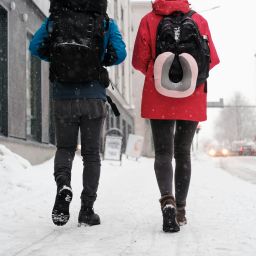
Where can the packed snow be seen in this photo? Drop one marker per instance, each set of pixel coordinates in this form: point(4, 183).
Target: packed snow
point(221, 212)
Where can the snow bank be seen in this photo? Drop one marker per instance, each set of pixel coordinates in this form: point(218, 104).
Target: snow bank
point(10, 161)
point(13, 173)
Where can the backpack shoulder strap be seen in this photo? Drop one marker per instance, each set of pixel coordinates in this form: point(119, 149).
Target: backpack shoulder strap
point(190, 13)
point(107, 20)
point(49, 25)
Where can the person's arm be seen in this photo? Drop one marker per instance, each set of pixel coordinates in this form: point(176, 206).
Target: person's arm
point(38, 41)
point(115, 48)
point(214, 55)
point(142, 49)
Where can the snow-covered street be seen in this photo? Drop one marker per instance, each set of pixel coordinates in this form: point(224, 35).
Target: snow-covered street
point(243, 167)
point(221, 212)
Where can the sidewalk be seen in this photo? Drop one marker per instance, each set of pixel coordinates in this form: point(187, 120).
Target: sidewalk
point(221, 214)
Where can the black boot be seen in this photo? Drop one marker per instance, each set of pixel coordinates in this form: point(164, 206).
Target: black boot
point(181, 216)
point(168, 207)
point(60, 212)
point(87, 216)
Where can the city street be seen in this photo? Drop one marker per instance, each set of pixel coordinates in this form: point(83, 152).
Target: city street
point(221, 211)
point(126, 79)
point(243, 167)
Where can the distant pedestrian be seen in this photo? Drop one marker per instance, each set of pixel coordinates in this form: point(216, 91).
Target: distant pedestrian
point(174, 94)
point(78, 39)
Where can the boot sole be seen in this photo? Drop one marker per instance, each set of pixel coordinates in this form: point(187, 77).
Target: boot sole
point(88, 224)
point(182, 223)
point(170, 223)
point(60, 212)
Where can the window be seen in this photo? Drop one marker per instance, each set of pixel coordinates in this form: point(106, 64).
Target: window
point(129, 129)
point(3, 71)
point(124, 135)
point(123, 81)
point(33, 96)
point(108, 118)
point(122, 21)
point(118, 122)
point(117, 79)
point(52, 138)
point(112, 119)
point(116, 10)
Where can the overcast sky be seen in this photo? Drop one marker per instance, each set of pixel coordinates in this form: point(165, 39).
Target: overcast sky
point(233, 31)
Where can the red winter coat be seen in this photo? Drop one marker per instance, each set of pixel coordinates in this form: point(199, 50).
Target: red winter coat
point(155, 105)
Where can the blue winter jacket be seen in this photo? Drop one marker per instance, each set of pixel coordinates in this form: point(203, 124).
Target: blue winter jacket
point(113, 45)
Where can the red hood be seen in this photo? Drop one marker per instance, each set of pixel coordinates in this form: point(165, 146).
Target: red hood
point(166, 7)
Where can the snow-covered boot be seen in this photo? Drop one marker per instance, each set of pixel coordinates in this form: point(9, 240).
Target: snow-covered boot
point(168, 206)
point(87, 216)
point(181, 216)
point(60, 212)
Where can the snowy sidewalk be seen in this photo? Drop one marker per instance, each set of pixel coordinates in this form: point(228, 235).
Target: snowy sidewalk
point(221, 213)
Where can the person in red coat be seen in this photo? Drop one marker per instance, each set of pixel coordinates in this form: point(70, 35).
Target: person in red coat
point(173, 120)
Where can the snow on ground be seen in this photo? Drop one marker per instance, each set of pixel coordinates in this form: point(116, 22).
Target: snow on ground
point(221, 212)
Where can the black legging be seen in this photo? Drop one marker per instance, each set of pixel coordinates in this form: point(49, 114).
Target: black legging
point(173, 138)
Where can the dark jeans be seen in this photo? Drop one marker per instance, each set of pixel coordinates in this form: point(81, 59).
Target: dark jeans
point(89, 116)
point(173, 138)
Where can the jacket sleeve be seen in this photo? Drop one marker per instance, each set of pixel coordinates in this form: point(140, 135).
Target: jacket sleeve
point(142, 54)
point(115, 48)
point(38, 40)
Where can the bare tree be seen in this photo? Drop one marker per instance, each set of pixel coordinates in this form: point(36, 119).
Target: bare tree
point(236, 121)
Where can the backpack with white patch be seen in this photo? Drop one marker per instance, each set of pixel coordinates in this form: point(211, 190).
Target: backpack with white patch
point(182, 56)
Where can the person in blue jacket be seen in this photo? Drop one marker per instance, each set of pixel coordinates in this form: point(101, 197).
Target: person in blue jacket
point(79, 106)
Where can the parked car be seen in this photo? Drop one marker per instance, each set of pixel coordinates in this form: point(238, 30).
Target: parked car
point(246, 150)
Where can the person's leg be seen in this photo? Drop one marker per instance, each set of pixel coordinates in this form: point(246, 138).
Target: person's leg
point(93, 116)
point(162, 131)
point(184, 134)
point(91, 130)
point(163, 141)
point(66, 127)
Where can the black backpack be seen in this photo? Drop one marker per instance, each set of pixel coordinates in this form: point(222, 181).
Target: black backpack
point(76, 39)
point(178, 33)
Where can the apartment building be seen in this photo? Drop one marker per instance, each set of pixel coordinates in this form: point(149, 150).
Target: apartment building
point(24, 84)
point(142, 127)
point(26, 124)
point(121, 75)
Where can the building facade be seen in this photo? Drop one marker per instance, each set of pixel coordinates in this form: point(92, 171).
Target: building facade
point(25, 109)
point(142, 126)
point(24, 84)
point(120, 75)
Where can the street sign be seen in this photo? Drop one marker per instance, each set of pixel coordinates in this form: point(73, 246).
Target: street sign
point(134, 146)
point(216, 104)
point(113, 148)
